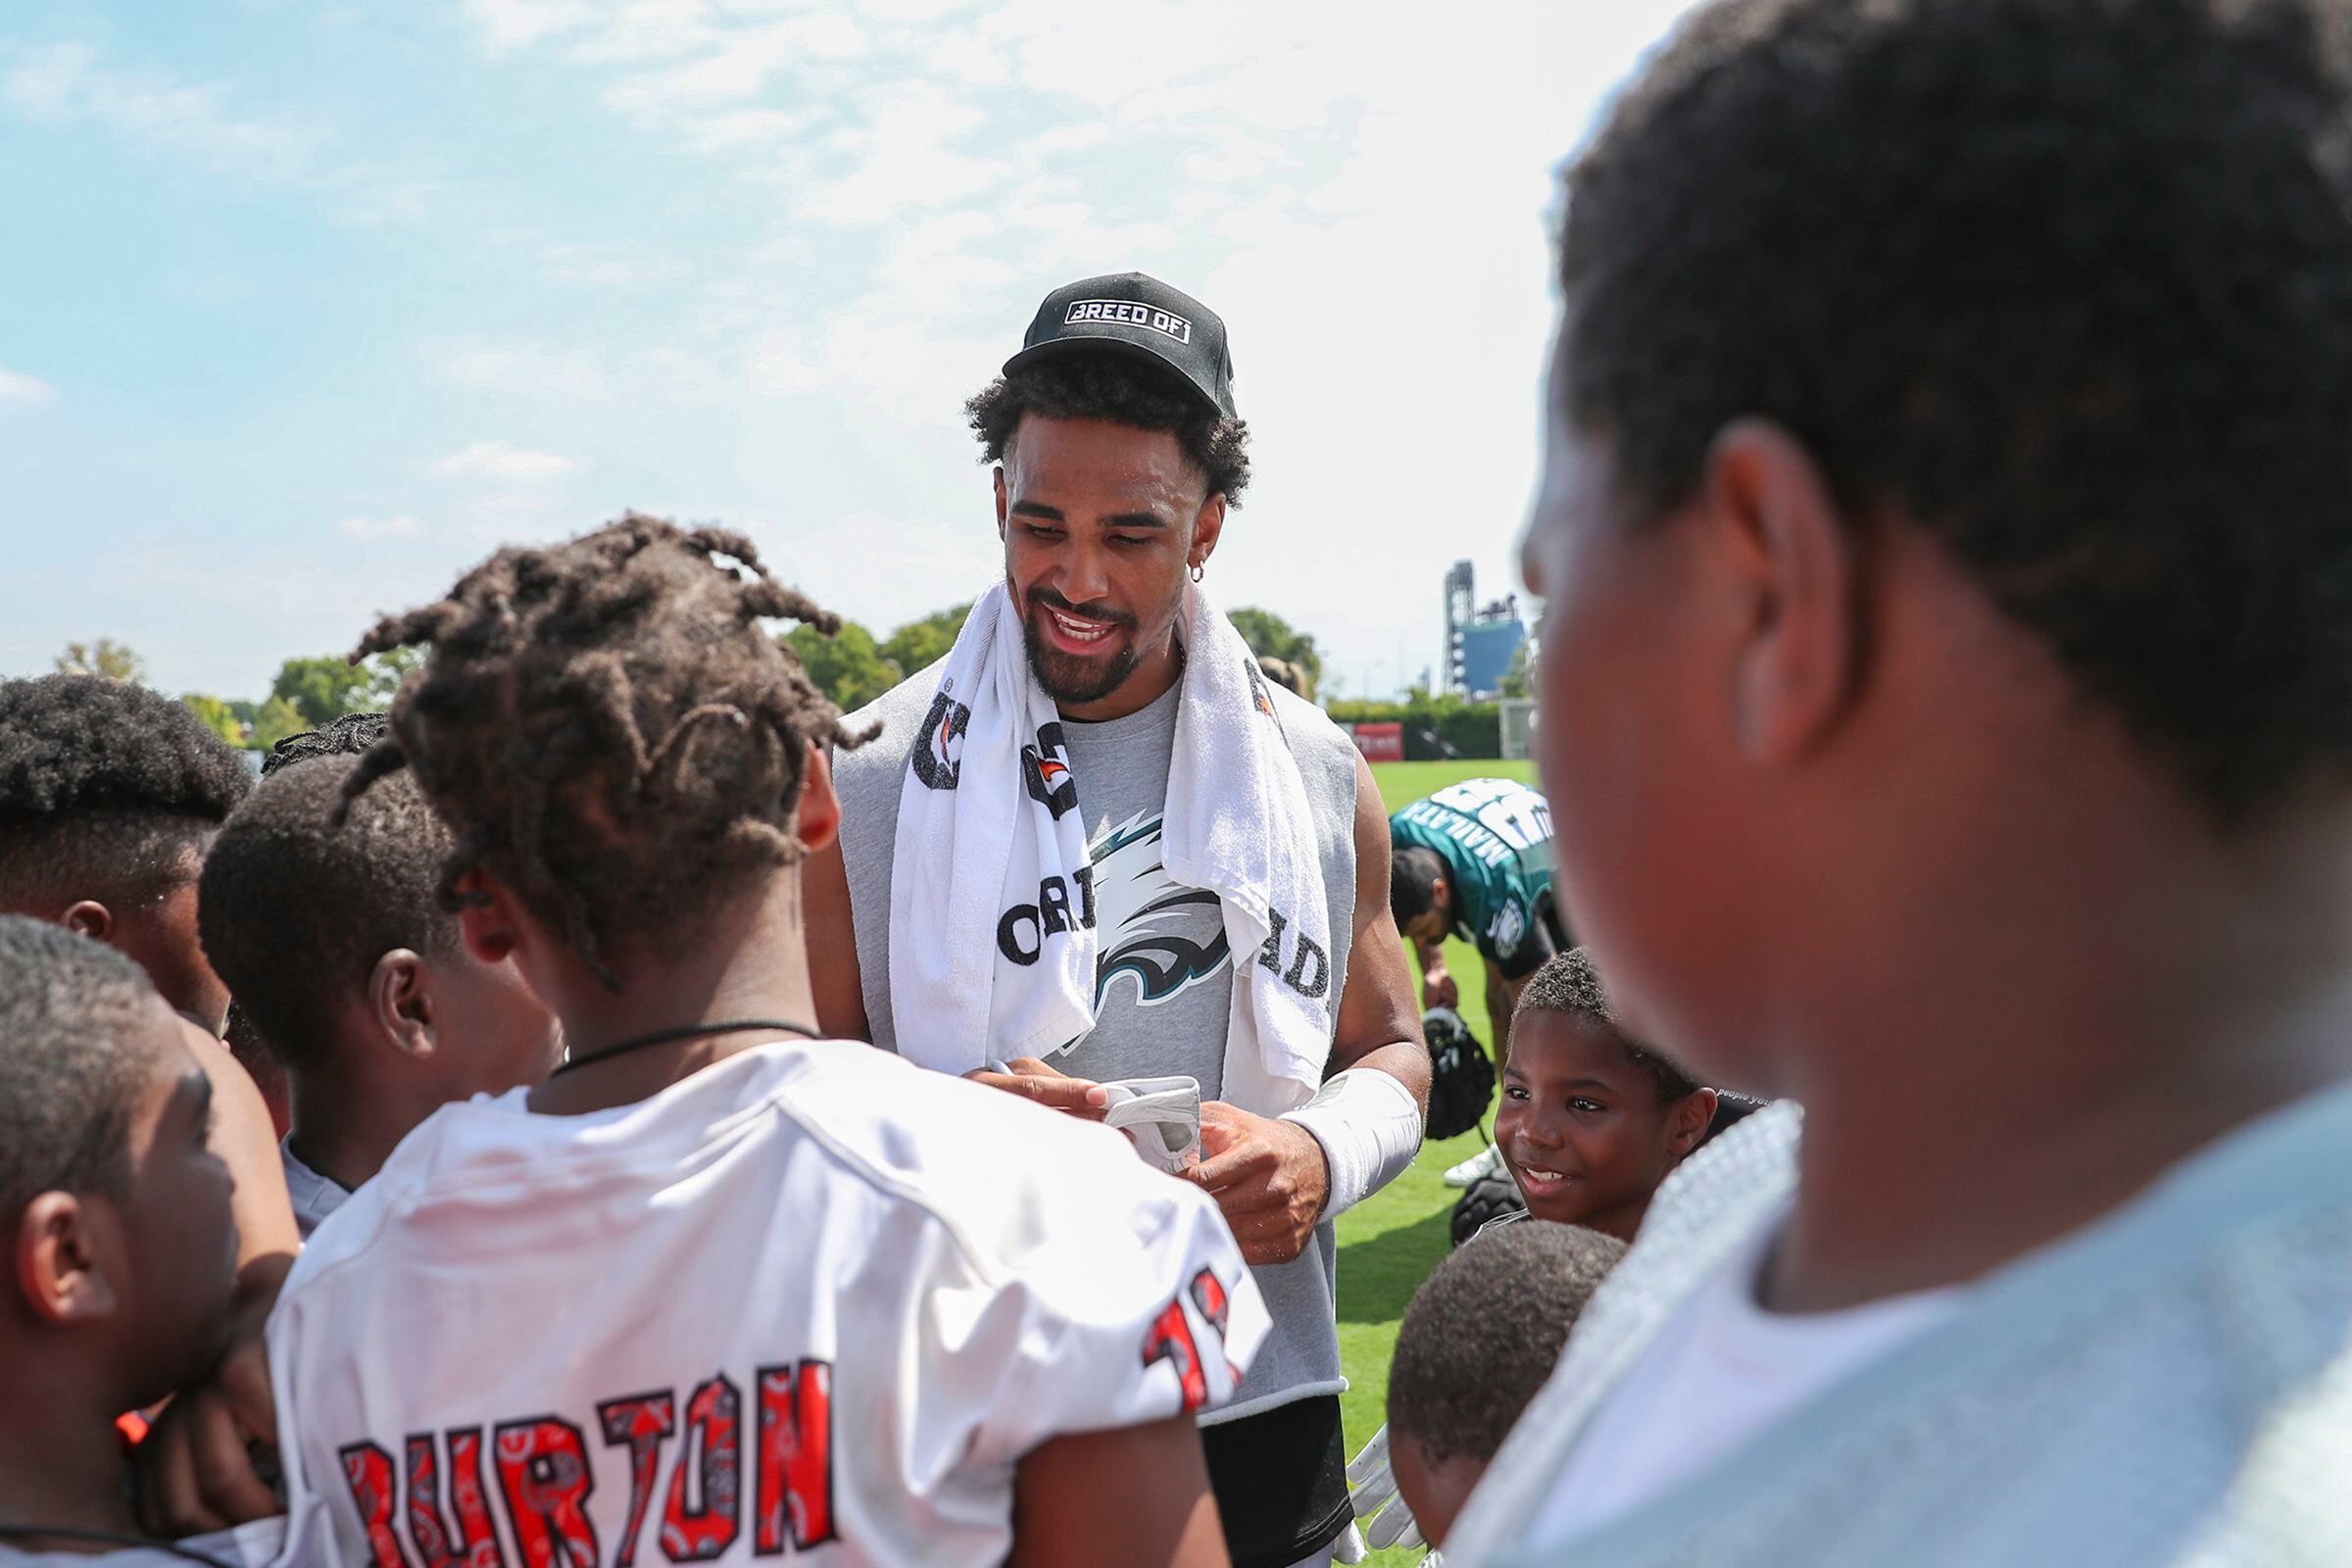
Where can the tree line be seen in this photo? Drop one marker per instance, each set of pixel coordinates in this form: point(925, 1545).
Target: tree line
point(305, 695)
point(852, 668)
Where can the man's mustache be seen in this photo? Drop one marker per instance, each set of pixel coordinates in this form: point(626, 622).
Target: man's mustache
point(1047, 595)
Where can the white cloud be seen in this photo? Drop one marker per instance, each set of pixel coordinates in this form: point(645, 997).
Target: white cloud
point(511, 23)
point(496, 461)
point(603, 266)
point(926, 567)
point(17, 387)
point(45, 85)
point(1362, 195)
point(522, 368)
point(379, 527)
point(66, 84)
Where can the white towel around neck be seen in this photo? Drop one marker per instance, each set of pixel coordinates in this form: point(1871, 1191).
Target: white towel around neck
point(991, 954)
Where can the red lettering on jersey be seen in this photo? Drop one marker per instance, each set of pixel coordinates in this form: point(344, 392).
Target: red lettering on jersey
point(1170, 1338)
point(795, 1495)
point(641, 1422)
point(543, 1468)
point(1214, 1307)
point(711, 1453)
point(1209, 1297)
point(368, 1471)
point(476, 1545)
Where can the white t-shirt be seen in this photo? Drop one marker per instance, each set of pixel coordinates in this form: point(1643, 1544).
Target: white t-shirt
point(810, 1295)
point(1720, 1371)
point(252, 1546)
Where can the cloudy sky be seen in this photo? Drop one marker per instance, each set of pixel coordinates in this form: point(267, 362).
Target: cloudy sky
point(305, 307)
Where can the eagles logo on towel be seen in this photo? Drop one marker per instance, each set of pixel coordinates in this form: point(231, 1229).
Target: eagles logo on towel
point(1046, 769)
point(939, 758)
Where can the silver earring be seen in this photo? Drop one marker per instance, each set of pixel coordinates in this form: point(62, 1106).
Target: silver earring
point(1199, 571)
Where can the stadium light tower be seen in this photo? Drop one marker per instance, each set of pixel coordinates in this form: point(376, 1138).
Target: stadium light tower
point(1461, 608)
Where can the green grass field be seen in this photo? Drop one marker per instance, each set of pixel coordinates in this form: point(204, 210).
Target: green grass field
point(1389, 1241)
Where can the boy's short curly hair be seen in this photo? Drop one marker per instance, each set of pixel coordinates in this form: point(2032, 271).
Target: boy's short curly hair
point(69, 1007)
point(354, 893)
point(607, 729)
point(1115, 387)
point(105, 788)
point(2066, 282)
point(1568, 983)
point(1484, 1332)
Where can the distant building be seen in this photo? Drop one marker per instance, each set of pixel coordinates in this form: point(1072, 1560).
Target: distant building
point(1480, 643)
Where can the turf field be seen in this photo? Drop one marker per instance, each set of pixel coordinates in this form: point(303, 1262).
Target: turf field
point(1389, 1242)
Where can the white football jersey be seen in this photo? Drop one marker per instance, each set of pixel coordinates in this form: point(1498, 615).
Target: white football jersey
point(809, 1300)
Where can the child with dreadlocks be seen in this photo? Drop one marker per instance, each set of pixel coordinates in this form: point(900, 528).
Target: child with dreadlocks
point(716, 1279)
point(378, 1013)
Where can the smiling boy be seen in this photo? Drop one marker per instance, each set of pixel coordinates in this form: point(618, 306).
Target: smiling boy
point(1591, 1120)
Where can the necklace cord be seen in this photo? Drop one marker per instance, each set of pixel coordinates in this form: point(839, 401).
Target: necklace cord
point(691, 1031)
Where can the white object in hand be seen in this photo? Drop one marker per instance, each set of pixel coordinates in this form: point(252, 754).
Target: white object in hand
point(1160, 1116)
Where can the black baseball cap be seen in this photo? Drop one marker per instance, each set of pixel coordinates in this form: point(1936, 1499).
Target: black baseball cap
point(1130, 313)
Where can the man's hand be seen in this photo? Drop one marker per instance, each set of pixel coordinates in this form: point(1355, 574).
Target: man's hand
point(196, 1466)
point(1269, 1178)
point(1438, 989)
point(1033, 1080)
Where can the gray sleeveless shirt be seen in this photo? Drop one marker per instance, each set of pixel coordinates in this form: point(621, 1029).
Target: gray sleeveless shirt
point(1164, 980)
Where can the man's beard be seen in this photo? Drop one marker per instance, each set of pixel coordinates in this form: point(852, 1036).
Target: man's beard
point(1072, 677)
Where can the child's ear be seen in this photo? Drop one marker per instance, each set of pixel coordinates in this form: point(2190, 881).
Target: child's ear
point(397, 1003)
point(1692, 1114)
point(817, 816)
point(90, 918)
point(58, 1272)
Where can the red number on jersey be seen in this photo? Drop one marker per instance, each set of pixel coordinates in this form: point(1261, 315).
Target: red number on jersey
point(1170, 1336)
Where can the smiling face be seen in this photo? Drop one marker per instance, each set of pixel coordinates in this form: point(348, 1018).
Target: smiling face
point(1101, 524)
point(1582, 1126)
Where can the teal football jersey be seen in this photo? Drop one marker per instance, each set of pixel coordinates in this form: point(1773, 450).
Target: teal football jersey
point(1494, 837)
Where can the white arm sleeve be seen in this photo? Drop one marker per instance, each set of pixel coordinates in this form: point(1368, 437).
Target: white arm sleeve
point(1370, 1129)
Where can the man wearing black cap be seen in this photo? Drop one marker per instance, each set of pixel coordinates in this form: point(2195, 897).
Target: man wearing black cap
point(1071, 827)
